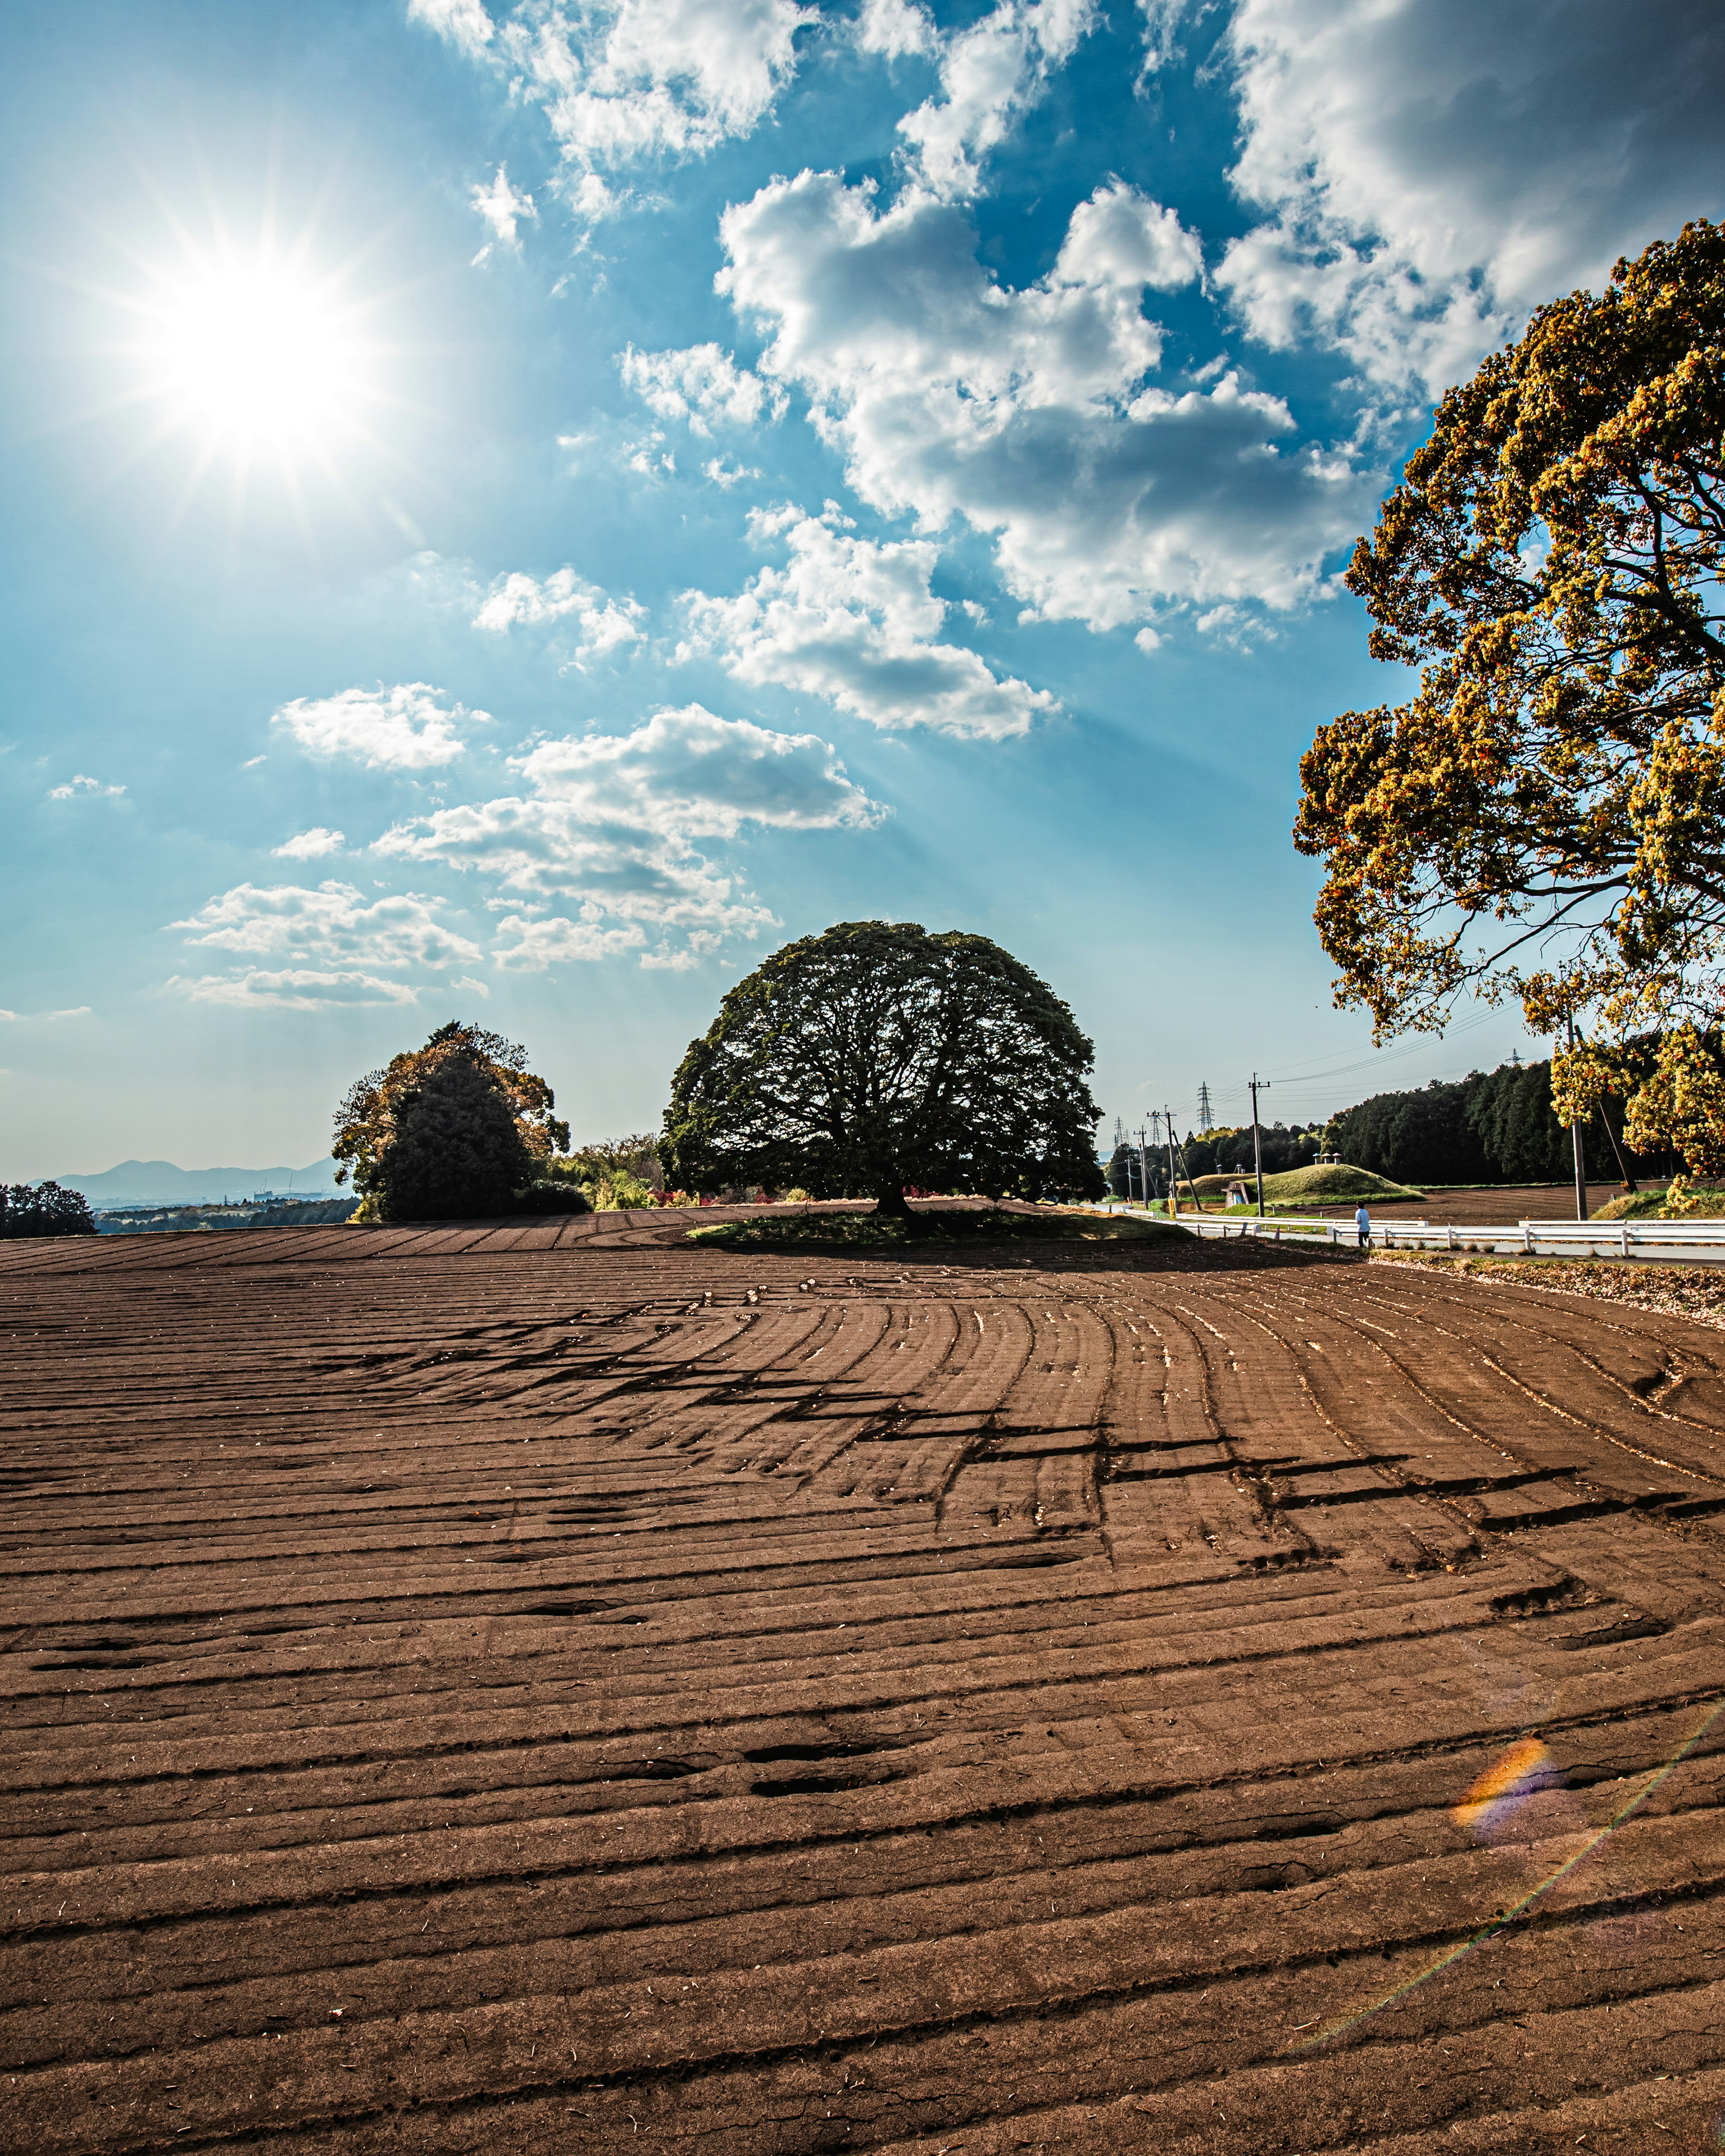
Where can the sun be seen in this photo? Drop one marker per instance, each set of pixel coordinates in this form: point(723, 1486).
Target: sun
point(256, 355)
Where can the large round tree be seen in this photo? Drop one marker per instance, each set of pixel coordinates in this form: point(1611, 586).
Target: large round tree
point(451, 1131)
point(876, 1057)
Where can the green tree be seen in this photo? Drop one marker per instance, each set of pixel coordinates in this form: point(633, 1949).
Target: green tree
point(876, 1057)
point(44, 1208)
point(1545, 816)
point(450, 1131)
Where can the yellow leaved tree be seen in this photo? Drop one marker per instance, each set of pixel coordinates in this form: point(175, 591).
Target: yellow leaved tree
point(1544, 818)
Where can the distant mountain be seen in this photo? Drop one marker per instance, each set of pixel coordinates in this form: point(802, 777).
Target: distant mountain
point(159, 1182)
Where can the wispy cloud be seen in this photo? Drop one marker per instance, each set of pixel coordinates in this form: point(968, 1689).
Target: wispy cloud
point(503, 208)
point(82, 784)
point(607, 821)
point(333, 925)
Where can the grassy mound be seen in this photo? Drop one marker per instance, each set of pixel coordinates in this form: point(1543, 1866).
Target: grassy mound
point(1297, 1187)
point(869, 1231)
point(1331, 1186)
point(1651, 1205)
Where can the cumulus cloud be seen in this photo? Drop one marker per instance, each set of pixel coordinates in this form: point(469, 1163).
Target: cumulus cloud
point(1031, 413)
point(701, 384)
point(335, 923)
point(606, 821)
point(895, 28)
point(502, 207)
point(405, 728)
point(854, 621)
point(308, 845)
point(693, 773)
point(81, 783)
point(1435, 169)
point(601, 623)
point(621, 80)
point(989, 74)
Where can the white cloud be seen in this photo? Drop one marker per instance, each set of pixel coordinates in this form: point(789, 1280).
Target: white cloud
point(989, 74)
point(606, 820)
point(43, 1018)
point(700, 776)
point(895, 28)
point(309, 846)
point(405, 728)
point(601, 623)
point(701, 384)
point(726, 476)
point(530, 946)
point(1031, 413)
point(502, 207)
point(82, 783)
point(294, 989)
point(854, 620)
point(1435, 169)
point(464, 23)
point(473, 986)
point(335, 923)
point(620, 80)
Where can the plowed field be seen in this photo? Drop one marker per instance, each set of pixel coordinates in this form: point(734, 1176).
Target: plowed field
point(551, 1689)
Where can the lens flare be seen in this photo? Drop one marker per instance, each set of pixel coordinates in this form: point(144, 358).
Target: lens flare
point(1509, 1774)
point(1506, 1784)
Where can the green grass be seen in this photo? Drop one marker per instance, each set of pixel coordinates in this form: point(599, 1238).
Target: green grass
point(1331, 1186)
point(1651, 1205)
point(869, 1231)
point(1297, 1188)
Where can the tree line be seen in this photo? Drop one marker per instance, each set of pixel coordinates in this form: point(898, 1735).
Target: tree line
point(1491, 1127)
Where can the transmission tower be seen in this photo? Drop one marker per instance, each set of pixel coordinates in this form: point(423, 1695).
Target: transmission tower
point(1206, 1120)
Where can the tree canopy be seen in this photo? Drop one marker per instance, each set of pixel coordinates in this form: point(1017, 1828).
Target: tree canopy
point(450, 1131)
point(43, 1209)
point(875, 1058)
point(1545, 817)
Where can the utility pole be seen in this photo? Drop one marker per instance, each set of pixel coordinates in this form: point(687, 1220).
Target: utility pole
point(1257, 1142)
point(1174, 1188)
point(1206, 1120)
point(1575, 1139)
point(1144, 1167)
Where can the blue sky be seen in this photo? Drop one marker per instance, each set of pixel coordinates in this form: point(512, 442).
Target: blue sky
point(518, 511)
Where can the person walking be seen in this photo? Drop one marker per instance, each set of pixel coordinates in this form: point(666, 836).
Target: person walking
point(1363, 1221)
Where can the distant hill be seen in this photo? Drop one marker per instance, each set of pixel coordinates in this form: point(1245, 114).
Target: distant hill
point(160, 1182)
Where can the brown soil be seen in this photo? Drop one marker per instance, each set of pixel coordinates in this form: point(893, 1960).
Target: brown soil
point(1484, 1208)
point(547, 1688)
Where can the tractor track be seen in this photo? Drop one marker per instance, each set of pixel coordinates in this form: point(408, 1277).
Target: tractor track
point(547, 1687)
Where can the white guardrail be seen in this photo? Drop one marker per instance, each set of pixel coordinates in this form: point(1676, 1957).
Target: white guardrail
point(1647, 1242)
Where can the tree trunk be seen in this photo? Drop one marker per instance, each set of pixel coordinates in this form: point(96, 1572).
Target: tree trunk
point(890, 1205)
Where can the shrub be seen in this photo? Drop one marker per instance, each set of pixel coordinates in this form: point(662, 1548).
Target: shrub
point(550, 1195)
